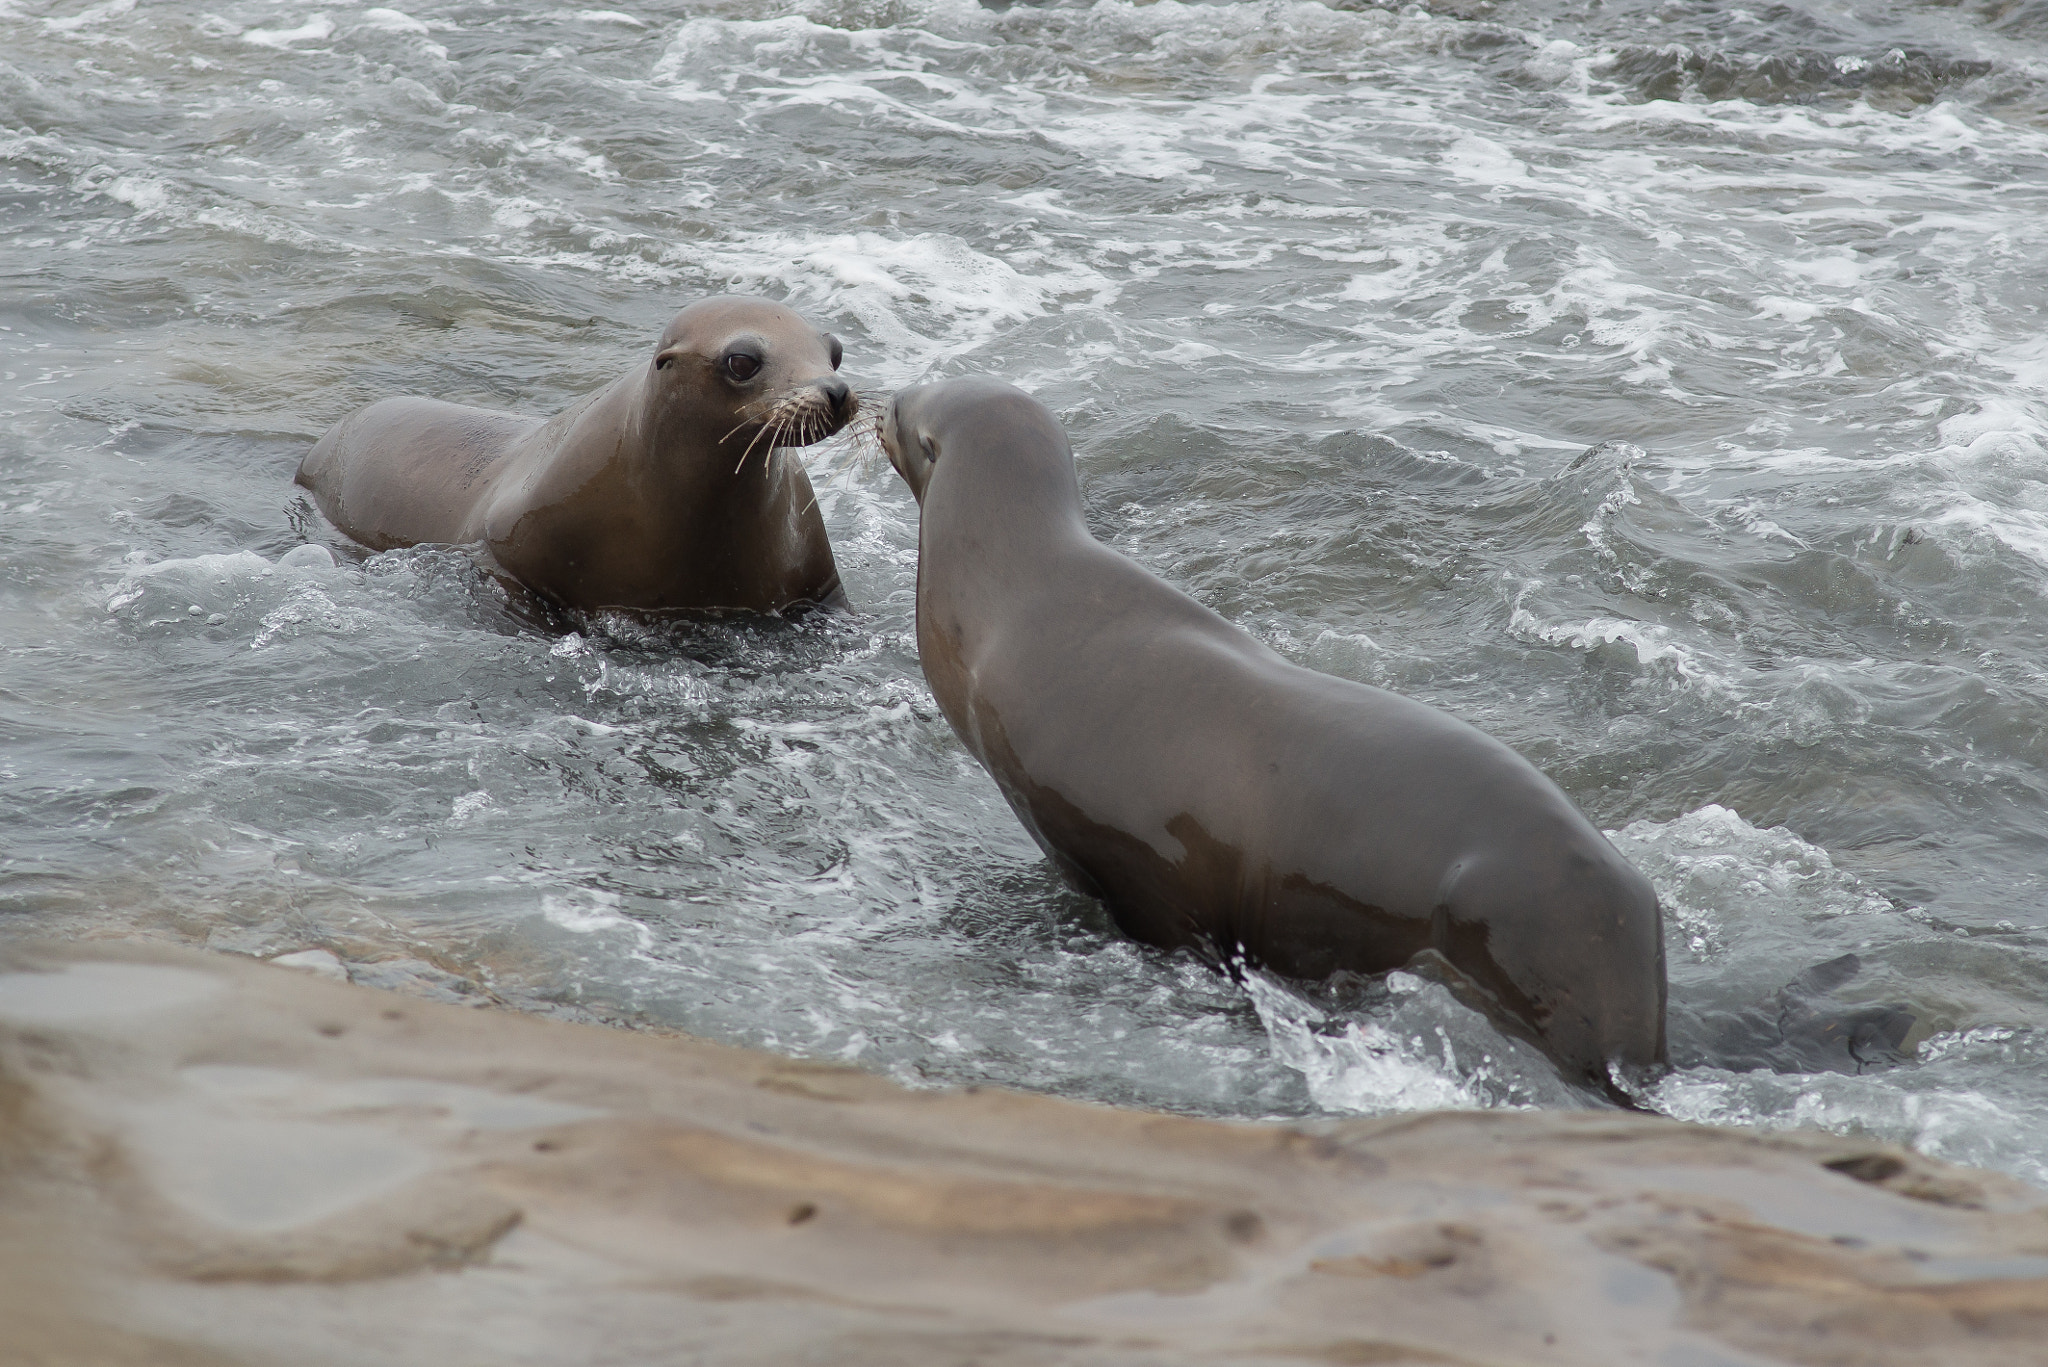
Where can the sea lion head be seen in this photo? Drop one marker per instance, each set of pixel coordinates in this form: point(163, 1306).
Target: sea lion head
point(758, 372)
point(1007, 426)
point(911, 447)
point(1594, 994)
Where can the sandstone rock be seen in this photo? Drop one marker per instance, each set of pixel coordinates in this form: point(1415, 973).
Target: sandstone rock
point(206, 1160)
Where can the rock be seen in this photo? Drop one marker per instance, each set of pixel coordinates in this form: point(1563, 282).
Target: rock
point(206, 1161)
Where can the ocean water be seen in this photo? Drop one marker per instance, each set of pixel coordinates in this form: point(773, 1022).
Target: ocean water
point(1662, 387)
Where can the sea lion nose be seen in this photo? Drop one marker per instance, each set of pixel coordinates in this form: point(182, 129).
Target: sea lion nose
point(840, 395)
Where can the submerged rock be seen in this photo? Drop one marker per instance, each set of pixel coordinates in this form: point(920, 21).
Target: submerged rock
point(206, 1160)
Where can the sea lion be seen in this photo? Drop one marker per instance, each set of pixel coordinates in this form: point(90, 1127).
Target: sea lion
point(1217, 797)
point(668, 489)
point(1805, 1028)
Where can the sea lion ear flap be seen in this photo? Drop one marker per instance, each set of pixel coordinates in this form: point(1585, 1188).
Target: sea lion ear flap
point(666, 355)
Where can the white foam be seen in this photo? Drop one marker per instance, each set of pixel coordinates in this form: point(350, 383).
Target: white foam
point(144, 193)
point(1143, 144)
point(1719, 877)
point(1558, 62)
point(1838, 272)
point(1360, 1069)
point(1960, 1124)
point(216, 572)
point(392, 21)
point(1791, 310)
point(91, 15)
point(1415, 1048)
point(1998, 429)
point(1170, 33)
point(312, 31)
point(309, 610)
point(2026, 361)
point(239, 589)
point(1652, 643)
point(469, 805)
point(593, 911)
point(922, 297)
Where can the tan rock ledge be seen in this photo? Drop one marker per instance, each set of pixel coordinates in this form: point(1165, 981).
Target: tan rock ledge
point(208, 1160)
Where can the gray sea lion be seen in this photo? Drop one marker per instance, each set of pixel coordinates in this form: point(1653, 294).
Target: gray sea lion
point(668, 489)
point(1217, 797)
point(1805, 1028)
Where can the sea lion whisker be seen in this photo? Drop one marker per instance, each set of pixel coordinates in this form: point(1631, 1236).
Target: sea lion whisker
point(864, 442)
point(833, 448)
point(766, 429)
point(778, 435)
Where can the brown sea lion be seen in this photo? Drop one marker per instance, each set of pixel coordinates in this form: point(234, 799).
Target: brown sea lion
point(668, 489)
point(1218, 797)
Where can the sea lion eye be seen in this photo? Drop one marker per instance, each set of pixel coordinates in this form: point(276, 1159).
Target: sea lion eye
point(837, 350)
point(931, 449)
point(742, 366)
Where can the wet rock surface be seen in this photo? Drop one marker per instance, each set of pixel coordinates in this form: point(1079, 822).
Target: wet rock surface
point(209, 1160)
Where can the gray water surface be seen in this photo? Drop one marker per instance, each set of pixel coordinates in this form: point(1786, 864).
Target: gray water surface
point(1661, 387)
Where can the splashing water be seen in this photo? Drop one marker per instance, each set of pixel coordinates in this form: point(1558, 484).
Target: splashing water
point(1657, 386)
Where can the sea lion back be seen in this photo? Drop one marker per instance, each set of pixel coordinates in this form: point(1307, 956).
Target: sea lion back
point(409, 471)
